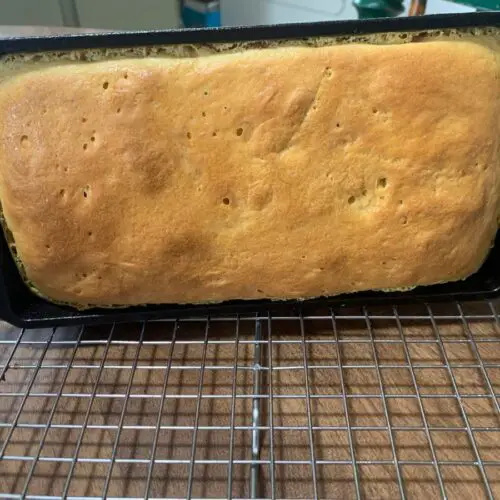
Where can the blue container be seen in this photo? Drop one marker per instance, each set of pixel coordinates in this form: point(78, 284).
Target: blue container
point(201, 13)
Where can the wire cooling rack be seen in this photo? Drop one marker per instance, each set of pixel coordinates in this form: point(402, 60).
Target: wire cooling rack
point(386, 402)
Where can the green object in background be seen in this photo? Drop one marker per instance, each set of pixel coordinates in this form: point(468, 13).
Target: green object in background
point(378, 8)
point(480, 4)
point(392, 8)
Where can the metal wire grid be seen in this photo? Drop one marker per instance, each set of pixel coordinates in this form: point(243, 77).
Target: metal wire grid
point(377, 403)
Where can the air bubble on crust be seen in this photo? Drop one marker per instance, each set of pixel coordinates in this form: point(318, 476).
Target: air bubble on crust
point(382, 182)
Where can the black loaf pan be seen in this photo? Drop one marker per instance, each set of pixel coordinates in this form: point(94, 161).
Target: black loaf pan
point(19, 306)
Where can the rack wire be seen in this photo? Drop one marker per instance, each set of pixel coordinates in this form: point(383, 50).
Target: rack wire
point(369, 402)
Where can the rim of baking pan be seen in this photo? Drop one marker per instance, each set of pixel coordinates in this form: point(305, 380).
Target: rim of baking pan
point(352, 27)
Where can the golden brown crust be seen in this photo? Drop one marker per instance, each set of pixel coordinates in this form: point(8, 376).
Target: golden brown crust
point(281, 173)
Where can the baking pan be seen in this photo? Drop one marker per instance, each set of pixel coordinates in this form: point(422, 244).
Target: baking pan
point(19, 306)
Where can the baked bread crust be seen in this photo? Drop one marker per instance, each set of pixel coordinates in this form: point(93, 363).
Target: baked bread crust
point(288, 172)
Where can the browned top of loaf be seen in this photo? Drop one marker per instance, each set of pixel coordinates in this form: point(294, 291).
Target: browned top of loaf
point(287, 172)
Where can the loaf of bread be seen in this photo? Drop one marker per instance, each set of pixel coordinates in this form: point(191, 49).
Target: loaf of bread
point(285, 172)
